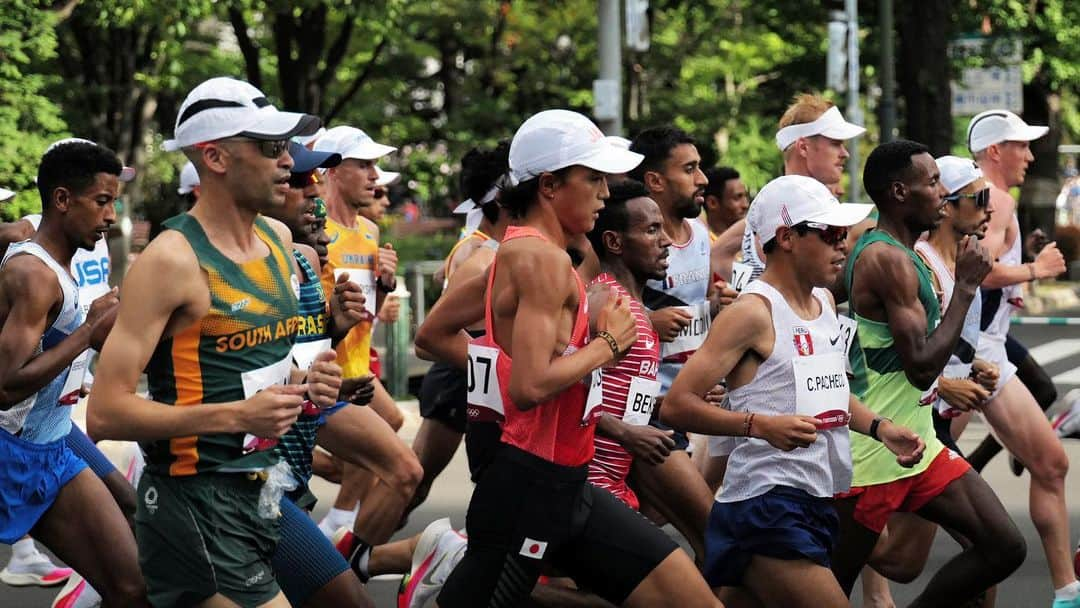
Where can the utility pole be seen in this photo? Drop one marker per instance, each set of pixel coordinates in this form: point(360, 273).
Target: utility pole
point(854, 112)
point(607, 89)
point(887, 117)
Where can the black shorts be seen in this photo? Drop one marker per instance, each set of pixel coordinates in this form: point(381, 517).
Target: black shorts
point(442, 396)
point(482, 441)
point(1015, 352)
point(943, 430)
point(682, 442)
point(525, 512)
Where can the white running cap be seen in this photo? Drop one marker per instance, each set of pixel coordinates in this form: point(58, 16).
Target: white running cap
point(126, 173)
point(6, 194)
point(794, 199)
point(995, 126)
point(385, 178)
point(225, 107)
point(351, 142)
point(831, 124)
point(618, 140)
point(189, 179)
point(556, 139)
point(957, 172)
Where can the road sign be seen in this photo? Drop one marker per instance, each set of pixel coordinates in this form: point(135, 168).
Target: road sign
point(997, 84)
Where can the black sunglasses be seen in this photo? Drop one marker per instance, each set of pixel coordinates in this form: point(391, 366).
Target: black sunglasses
point(982, 198)
point(831, 235)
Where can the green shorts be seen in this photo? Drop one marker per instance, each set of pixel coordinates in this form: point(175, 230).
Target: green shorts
point(201, 535)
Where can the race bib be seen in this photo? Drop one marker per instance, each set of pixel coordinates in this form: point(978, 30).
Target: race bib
point(256, 380)
point(304, 353)
point(740, 275)
point(692, 336)
point(595, 396)
point(366, 280)
point(640, 401)
point(847, 331)
point(69, 394)
point(483, 390)
point(821, 389)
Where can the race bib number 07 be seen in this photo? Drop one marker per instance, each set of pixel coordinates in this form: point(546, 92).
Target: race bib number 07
point(482, 389)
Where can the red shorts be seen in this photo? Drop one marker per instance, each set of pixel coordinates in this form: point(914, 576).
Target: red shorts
point(375, 364)
point(877, 502)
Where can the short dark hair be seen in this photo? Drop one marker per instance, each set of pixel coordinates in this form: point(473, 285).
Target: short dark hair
point(888, 163)
point(656, 144)
point(481, 168)
point(614, 216)
point(74, 165)
point(718, 178)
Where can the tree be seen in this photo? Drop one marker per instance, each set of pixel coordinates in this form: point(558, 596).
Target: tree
point(29, 119)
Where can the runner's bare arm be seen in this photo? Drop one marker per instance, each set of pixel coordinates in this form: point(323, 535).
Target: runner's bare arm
point(997, 238)
point(892, 283)
point(544, 283)
point(30, 291)
point(115, 411)
point(442, 334)
point(747, 327)
point(13, 232)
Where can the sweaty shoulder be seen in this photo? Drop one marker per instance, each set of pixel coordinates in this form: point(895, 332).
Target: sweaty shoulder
point(169, 253)
point(281, 230)
point(885, 271)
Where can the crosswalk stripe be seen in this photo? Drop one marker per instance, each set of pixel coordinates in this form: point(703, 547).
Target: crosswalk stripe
point(1070, 377)
point(1055, 350)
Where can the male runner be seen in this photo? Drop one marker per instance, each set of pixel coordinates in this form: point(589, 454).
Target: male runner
point(215, 341)
point(726, 200)
point(773, 526)
point(902, 344)
point(389, 484)
point(443, 391)
point(999, 141)
point(632, 247)
point(532, 503)
point(682, 305)
point(45, 340)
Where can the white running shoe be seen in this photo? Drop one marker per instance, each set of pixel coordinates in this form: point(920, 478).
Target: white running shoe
point(36, 569)
point(437, 553)
point(1067, 423)
point(77, 593)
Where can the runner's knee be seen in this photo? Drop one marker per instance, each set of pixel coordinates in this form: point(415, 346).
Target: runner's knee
point(1050, 464)
point(1004, 551)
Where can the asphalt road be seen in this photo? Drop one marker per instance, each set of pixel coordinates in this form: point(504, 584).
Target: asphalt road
point(1057, 347)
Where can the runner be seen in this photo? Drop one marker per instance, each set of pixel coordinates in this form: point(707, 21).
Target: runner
point(630, 242)
point(773, 525)
point(682, 306)
point(215, 341)
point(999, 141)
point(532, 504)
point(726, 200)
point(899, 351)
point(392, 472)
point(443, 391)
point(45, 342)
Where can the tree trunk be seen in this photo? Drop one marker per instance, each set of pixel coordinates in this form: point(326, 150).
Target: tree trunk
point(924, 72)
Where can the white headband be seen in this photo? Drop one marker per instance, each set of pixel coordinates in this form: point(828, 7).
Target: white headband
point(468, 205)
point(831, 124)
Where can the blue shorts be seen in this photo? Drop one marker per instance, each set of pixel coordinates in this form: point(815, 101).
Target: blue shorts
point(81, 445)
point(330, 411)
point(31, 475)
point(783, 523)
point(304, 560)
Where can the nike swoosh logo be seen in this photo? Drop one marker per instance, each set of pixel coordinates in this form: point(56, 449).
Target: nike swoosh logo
point(427, 580)
point(833, 341)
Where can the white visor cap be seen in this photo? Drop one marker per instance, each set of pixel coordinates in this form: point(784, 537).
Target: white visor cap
point(831, 124)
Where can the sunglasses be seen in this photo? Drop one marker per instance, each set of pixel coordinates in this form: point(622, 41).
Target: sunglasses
point(982, 198)
point(270, 148)
point(303, 180)
point(831, 235)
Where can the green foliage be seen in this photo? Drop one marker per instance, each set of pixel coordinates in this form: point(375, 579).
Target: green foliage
point(29, 119)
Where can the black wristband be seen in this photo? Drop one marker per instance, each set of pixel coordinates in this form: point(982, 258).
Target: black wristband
point(874, 428)
point(385, 288)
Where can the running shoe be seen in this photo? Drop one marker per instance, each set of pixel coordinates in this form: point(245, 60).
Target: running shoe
point(77, 593)
point(1067, 423)
point(36, 569)
point(437, 553)
point(1073, 603)
point(1076, 562)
